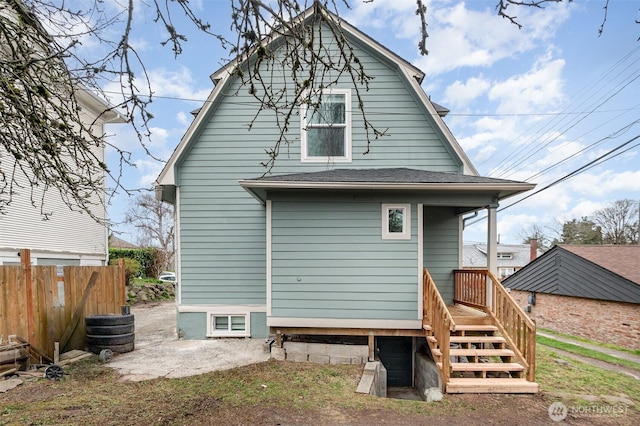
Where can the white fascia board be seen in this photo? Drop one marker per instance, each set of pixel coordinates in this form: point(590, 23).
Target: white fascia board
point(519, 187)
point(220, 309)
point(167, 175)
point(343, 323)
point(406, 66)
point(469, 169)
point(100, 107)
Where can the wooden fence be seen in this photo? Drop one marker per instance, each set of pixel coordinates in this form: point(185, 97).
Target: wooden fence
point(42, 307)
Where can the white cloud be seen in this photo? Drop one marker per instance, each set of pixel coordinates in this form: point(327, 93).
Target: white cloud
point(395, 15)
point(184, 118)
point(461, 93)
point(460, 37)
point(179, 83)
point(148, 171)
point(539, 89)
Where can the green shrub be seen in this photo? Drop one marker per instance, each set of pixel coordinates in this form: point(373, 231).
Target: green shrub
point(132, 267)
point(144, 256)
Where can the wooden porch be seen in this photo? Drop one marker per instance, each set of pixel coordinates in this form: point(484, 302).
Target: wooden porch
point(484, 343)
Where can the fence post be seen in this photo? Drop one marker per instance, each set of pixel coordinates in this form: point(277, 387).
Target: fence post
point(122, 283)
point(25, 260)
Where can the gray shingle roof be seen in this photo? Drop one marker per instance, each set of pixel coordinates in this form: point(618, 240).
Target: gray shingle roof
point(592, 272)
point(390, 175)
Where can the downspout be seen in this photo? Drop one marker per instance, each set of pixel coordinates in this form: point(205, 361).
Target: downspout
point(464, 220)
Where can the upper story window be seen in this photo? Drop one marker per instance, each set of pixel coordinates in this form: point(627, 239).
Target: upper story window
point(505, 255)
point(326, 130)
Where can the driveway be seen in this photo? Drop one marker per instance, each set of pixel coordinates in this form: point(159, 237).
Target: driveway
point(159, 353)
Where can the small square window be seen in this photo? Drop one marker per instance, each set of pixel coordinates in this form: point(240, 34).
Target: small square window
point(396, 222)
point(326, 128)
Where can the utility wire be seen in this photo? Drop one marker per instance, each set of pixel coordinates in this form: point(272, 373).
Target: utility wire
point(514, 158)
point(576, 172)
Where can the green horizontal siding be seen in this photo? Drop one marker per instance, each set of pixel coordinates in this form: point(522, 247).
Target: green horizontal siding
point(324, 266)
point(441, 248)
point(222, 227)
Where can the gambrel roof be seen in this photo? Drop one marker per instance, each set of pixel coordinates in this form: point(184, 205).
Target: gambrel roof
point(603, 272)
point(412, 75)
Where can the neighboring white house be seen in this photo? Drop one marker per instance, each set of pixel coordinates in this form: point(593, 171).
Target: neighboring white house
point(67, 237)
point(510, 257)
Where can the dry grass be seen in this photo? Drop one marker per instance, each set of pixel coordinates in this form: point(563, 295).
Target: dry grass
point(285, 393)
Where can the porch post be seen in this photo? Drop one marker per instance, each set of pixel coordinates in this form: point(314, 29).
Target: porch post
point(492, 248)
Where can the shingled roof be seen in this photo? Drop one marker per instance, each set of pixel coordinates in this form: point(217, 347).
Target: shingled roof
point(388, 175)
point(389, 179)
point(622, 260)
point(601, 272)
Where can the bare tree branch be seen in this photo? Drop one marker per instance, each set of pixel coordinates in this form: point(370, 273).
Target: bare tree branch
point(47, 148)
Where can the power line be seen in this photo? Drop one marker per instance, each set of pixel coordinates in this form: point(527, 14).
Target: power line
point(600, 160)
point(513, 159)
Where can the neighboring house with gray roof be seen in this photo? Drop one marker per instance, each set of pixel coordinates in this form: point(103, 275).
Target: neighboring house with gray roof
point(119, 243)
point(591, 291)
point(510, 257)
point(330, 241)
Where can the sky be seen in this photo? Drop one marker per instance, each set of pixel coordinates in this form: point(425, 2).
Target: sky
point(537, 104)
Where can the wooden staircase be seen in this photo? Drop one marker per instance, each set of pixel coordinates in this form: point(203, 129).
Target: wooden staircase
point(480, 361)
point(479, 349)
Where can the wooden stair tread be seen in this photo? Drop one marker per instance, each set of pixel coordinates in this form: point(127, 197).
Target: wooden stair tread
point(476, 327)
point(474, 352)
point(486, 366)
point(491, 385)
point(477, 339)
point(481, 352)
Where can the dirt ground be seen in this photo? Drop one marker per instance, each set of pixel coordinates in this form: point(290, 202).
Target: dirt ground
point(209, 410)
point(160, 354)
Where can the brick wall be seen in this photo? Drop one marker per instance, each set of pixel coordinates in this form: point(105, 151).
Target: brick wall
point(599, 320)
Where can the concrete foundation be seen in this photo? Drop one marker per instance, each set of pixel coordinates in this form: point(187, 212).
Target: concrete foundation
point(427, 375)
point(321, 353)
point(374, 380)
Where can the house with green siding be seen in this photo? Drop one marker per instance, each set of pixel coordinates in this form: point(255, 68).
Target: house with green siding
point(329, 240)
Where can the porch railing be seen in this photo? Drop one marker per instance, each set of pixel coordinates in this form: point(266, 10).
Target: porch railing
point(437, 316)
point(515, 326)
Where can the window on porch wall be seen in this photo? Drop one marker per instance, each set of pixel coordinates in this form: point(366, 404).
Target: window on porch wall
point(396, 221)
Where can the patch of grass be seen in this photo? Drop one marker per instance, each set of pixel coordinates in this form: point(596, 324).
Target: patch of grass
point(581, 350)
point(575, 377)
point(591, 342)
point(284, 392)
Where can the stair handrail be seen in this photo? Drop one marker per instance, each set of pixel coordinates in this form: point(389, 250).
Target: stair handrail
point(437, 316)
point(513, 323)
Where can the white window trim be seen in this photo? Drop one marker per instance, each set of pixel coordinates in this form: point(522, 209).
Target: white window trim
point(212, 332)
point(347, 142)
point(406, 222)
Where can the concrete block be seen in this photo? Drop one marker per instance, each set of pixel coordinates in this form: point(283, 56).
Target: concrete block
point(358, 360)
point(433, 395)
point(381, 382)
point(278, 353)
point(305, 348)
point(348, 350)
point(266, 346)
point(366, 381)
point(319, 359)
point(297, 357)
point(335, 360)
